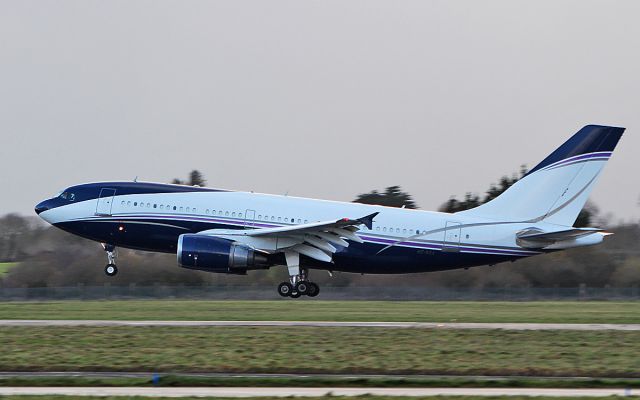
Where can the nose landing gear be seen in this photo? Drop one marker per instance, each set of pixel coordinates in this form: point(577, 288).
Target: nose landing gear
point(110, 269)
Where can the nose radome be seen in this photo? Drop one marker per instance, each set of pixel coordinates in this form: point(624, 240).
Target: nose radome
point(41, 207)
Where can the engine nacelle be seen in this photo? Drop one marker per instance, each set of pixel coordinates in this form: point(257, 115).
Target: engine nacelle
point(212, 254)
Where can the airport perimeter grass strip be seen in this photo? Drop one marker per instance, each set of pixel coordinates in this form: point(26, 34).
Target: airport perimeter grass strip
point(405, 382)
point(365, 397)
point(321, 350)
point(319, 310)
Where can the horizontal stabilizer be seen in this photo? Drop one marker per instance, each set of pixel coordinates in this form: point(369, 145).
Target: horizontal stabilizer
point(535, 239)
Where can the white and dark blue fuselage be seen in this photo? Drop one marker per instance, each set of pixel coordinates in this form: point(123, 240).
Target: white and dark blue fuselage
point(150, 216)
point(534, 216)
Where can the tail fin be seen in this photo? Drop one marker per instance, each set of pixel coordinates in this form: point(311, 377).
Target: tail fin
point(556, 189)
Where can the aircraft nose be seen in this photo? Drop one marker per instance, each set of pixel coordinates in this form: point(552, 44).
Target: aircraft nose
point(41, 207)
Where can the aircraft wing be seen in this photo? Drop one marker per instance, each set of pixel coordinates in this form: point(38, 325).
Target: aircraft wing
point(316, 240)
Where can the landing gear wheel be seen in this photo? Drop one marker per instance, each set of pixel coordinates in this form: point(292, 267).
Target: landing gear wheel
point(295, 295)
point(111, 270)
point(302, 287)
point(285, 289)
point(314, 289)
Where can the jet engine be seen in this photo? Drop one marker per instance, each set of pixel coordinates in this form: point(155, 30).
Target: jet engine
point(212, 254)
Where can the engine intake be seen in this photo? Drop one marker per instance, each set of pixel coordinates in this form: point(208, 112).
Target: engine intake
point(212, 254)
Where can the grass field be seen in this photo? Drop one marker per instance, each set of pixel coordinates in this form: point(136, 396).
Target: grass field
point(315, 310)
point(5, 267)
point(366, 397)
point(321, 350)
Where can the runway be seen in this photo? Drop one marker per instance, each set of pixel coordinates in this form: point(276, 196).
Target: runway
point(332, 324)
point(305, 392)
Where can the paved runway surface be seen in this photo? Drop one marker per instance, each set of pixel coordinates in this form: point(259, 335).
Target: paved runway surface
point(418, 325)
point(305, 392)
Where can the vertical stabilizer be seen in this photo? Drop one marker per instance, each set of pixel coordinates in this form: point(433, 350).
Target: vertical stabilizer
point(556, 189)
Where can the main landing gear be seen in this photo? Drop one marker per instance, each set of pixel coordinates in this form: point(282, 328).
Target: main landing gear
point(298, 285)
point(110, 269)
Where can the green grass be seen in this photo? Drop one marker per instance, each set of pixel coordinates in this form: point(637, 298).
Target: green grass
point(5, 267)
point(317, 310)
point(321, 350)
point(324, 381)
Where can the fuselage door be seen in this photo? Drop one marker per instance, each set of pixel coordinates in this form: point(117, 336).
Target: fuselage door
point(249, 218)
point(451, 240)
point(105, 201)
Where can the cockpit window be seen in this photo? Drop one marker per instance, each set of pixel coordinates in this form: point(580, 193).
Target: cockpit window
point(68, 196)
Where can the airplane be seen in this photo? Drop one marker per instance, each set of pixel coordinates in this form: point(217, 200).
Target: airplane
point(232, 232)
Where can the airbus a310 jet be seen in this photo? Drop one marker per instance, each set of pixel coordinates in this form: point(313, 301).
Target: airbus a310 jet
point(232, 232)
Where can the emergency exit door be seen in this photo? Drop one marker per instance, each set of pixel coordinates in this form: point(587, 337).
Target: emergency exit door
point(105, 201)
point(452, 233)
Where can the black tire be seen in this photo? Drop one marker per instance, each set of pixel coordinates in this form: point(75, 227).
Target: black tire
point(314, 289)
point(111, 270)
point(295, 295)
point(302, 287)
point(285, 289)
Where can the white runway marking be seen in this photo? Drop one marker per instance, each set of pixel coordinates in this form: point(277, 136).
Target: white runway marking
point(417, 325)
point(305, 392)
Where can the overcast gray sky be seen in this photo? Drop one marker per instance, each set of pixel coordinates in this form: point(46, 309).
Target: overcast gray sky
point(322, 99)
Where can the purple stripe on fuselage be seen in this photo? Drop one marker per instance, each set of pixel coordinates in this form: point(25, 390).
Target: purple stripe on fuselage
point(439, 247)
point(367, 238)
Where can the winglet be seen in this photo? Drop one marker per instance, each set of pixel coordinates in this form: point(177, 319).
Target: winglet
point(368, 220)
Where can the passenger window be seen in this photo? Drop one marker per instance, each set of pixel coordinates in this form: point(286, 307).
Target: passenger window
point(148, 205)
point(194, 210)
point(239, 215)
point(404, 231)
point(226, 213)
point(417, 231)
point(266, 217)
point(213, 212)
point(122, 204)
point(135, 204)
point(260, 216)
point(174, 208)
point(397, 230)
point(306, 221)
point(220, 213)
point(162, 206)
point(188, 209)
point(299, 221)
point(377, 228)
point(279, 219)
point(384, 229)
point(233, 214)
point(181, 209)
point(155, 206)
point(293, 220)
point(206, 211)
point(273, 218)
